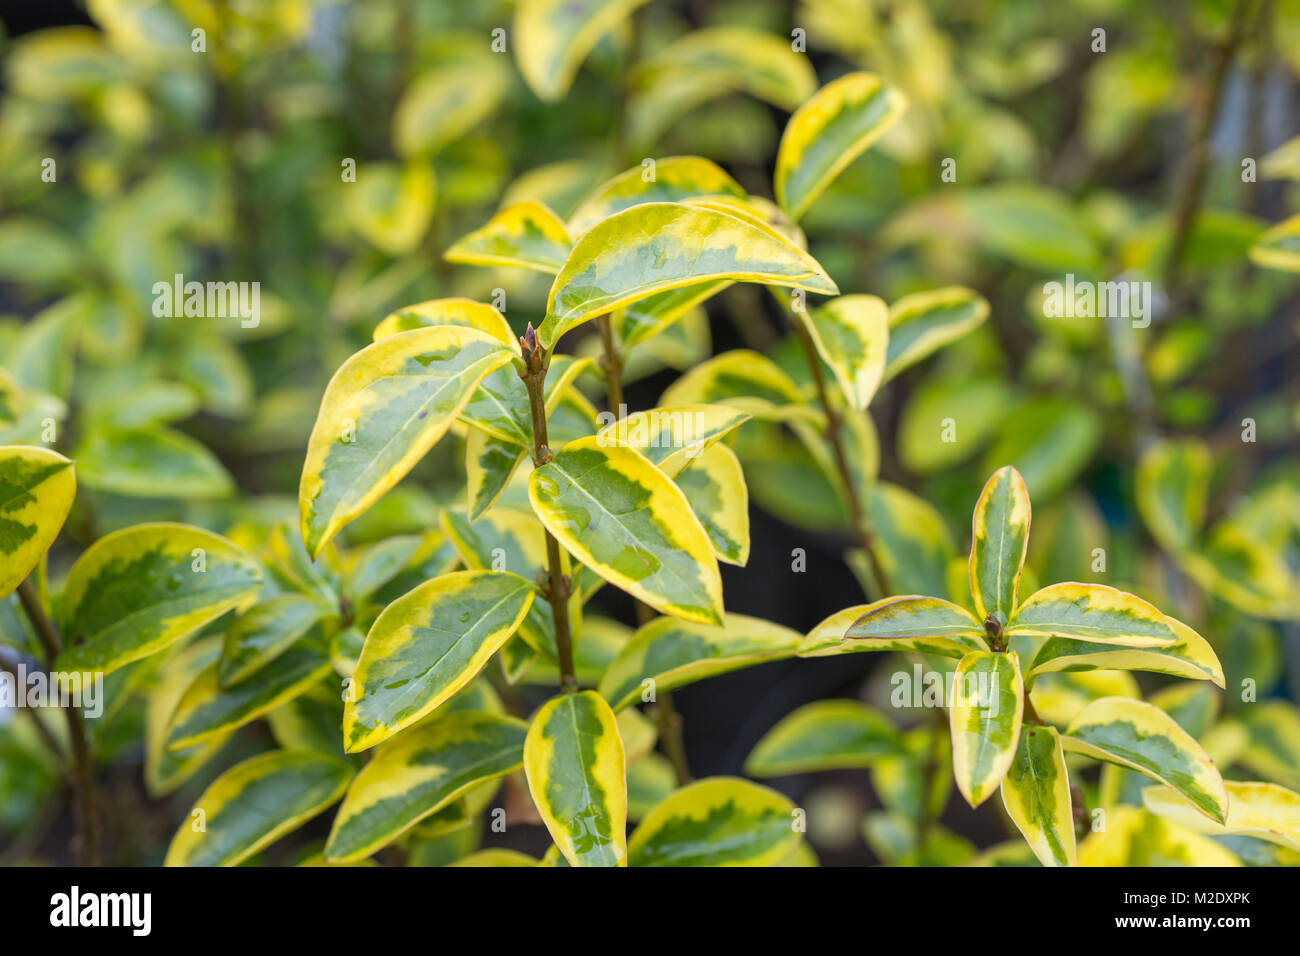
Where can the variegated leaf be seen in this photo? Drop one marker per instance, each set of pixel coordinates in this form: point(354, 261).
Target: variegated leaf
point(253, 804)
point(135, 591)
point(165, 770)
point(499, 406)
point(1191, 657)
point(675, 178)
point(742, 379)
point(420, 772)
point(426, 646)
point(208, 711)
point(1000, 537)
point(1135, 838)
point(648, 317)
point(577, 774)
point(988, 701)
point(653, 247)
point(1273, 741)
point(1036, 793)
point(463, 312)
point(490, 463)
point(924, 322)
point(383, 410)
point(914, 623)
point(1143, 737)
point(624, 519)
point(672, 437)
point(851, 334)
point(553, 37)
point(824, 735)
point(36, 491)
point(721, 821)
point(714, 485)
point(1092, 612)
point(1264, 810)
point(527, 235)
point(828, 132)
point(266, 630)
point(670, 652)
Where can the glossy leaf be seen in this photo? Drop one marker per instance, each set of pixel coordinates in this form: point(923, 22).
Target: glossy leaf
point(553, 37)
point(384, 408)
point(674, 178)
point(742, 379)
point(721, 821)
point(135, 591)
point(526, 234)
point(672, 437)
point(714, 485)
point(627, 521)
point(490, 463)
point(1036, 794)
point(988, 701)
point(253, 804)
point(851, 334)
point(828, 132)
point(1265, 810)
point(207, 710)
point(1191, 657)
point(266, 630)
point(576, 770)
point(824, 735)
point(1143, 737)
point(426, 646)
point(165, 770)
point(463, 312)
point(915, 623)
point(1000, 536)
point(653, 247)
point(151, 462)
point(1092, 612)
point(500, 404)
point(671, 652)
point(37, 487)
point(419, 773)
point(924, 322)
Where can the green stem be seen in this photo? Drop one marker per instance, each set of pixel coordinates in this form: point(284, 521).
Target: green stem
point(558, 585)
point(83, 758)
point(835, 435)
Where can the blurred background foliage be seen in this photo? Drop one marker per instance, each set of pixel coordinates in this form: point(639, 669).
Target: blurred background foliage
point(229, 165)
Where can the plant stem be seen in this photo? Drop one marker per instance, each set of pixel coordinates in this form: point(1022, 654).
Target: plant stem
point(666, 716)
point(536, 363)
point(835, 435)
point(83, 758)
point(1198, 157)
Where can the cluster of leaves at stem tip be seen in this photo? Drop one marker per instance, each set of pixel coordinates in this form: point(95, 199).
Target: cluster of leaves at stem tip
point(431, 632)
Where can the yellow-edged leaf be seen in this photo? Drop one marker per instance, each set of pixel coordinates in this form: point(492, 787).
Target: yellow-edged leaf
point(419, 773)
point(1000, 537)
point(825, 735)
point(988, 701)
point(1191, 657)
point(36, 491)
point(714, 485)
point(912, 623)
point(135, 591)
point(383, 410)
point(1279, 248)
point(828, 132)
point(428, 645)
point(673, 437)
point(721, 821)
point(672, 179)
point(1036, 793)
point(553, 37)
point(1143, 737)
point(527, 235)
point(851, 334)
point(1265, 810)
point(1092, 612)
point(669, 652)
point(462, 312)
point(627, 521)
point(653, 247)
point(253, 804)
point(577, 774)
point(922, 323)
